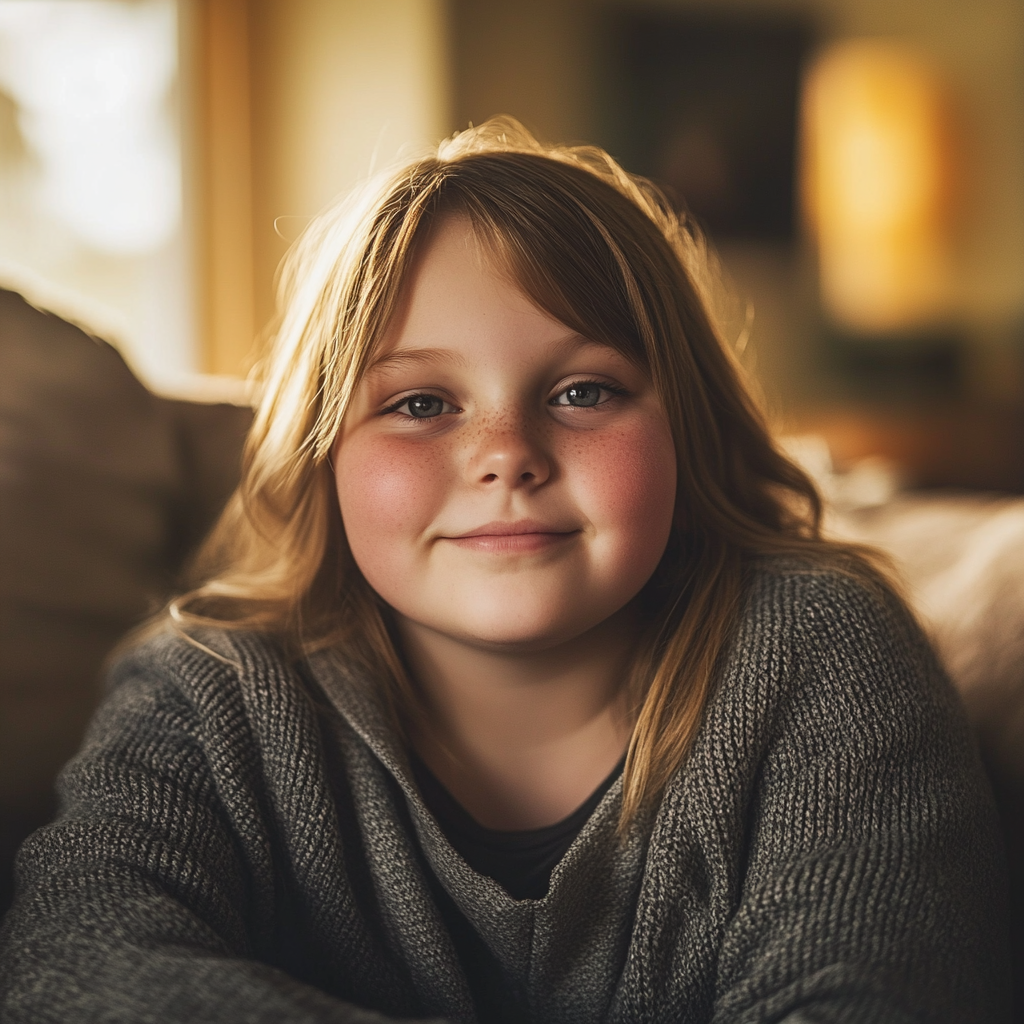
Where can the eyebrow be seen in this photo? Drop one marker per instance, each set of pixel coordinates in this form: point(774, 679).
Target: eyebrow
point(414, 357)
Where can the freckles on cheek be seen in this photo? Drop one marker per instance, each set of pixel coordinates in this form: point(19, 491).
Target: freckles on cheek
point(384, 489)
point(631, 481)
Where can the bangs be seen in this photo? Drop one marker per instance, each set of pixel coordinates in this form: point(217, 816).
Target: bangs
point(545, 223)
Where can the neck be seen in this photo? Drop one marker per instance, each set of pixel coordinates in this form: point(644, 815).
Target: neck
point(521, 739)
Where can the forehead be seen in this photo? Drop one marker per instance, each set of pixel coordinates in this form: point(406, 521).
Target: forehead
point(459, 299)
point(456, 275)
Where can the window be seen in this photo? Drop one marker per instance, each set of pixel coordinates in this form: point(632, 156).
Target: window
point(91, 196)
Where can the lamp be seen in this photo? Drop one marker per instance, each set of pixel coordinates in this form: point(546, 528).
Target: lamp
point(875, 186)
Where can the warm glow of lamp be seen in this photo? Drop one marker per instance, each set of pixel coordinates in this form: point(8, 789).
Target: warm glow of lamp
point(875, 173)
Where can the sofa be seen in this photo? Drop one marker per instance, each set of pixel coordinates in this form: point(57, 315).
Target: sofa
point(105, 489)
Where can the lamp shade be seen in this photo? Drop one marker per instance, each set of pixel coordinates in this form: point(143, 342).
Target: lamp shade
point(875, 185)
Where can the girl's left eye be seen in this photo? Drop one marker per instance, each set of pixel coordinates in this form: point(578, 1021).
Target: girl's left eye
point(585, 394)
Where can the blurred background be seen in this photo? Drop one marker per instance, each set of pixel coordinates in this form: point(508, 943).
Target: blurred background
point(858, 164)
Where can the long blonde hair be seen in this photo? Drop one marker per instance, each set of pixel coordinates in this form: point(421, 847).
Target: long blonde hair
point(602, 252)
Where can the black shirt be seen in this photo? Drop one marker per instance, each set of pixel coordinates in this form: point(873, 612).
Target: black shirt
point(521, 862)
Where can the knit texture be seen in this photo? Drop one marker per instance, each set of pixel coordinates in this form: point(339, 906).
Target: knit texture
point(248, 845)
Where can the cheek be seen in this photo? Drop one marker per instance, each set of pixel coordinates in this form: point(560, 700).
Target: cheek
point(628, 480)
point(387, 492)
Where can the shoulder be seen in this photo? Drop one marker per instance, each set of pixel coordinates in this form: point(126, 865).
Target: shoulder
point(836, 654)
point(799, 585)
point(831, 704)
point(224, 727)
point(199, 661)
point(220, 685)
point(817, 608)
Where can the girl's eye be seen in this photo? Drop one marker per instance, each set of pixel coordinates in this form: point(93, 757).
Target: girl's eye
point(421, 407)
point(586, 393)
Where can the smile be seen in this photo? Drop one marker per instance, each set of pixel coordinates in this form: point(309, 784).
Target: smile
point(522, 537)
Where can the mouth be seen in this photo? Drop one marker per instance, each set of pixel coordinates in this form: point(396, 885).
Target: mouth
point(519, 537)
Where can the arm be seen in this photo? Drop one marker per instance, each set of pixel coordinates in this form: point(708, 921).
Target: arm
point(873, 890)
point(139, 904)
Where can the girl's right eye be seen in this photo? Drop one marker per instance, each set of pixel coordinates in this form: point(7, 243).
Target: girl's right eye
point(421, 407)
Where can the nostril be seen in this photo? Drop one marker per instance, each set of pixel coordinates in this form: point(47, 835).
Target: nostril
point(490, 478)
point(527, 476)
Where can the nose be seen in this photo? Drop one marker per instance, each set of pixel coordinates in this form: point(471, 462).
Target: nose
point(508, 453)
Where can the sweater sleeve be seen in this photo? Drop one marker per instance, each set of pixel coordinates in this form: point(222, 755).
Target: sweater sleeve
point(874, 887)
point(137, 904)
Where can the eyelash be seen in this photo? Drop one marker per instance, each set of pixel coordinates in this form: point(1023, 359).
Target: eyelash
point(613, 389)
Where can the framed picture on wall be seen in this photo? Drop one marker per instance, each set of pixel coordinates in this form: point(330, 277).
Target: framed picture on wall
point(708, 108)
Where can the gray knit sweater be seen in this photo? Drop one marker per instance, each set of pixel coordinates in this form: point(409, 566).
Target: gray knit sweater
point(244, 845)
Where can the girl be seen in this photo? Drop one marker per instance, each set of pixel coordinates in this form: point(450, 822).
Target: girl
point(519, 683)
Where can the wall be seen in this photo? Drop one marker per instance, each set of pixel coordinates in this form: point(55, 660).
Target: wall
point(533, 59)
point(337, 86)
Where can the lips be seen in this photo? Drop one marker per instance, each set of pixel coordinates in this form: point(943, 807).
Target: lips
point(523, 535)
point(500, 528)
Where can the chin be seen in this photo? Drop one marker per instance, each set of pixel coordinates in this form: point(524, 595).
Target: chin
point(508, 642)
point(511, 630)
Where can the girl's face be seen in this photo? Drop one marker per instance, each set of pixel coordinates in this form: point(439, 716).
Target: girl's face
point(502, 480)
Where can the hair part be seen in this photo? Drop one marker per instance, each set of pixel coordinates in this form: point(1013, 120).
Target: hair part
point(599, 250)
